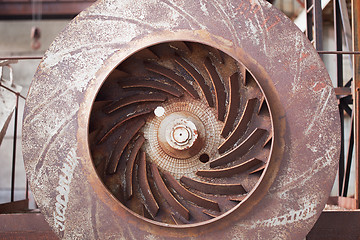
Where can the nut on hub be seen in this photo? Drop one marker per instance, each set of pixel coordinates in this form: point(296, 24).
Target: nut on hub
point(181, 134)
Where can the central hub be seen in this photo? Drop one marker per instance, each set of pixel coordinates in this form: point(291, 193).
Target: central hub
point(181, 134)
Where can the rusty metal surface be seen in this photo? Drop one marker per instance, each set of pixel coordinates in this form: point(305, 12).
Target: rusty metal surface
point(330, 225)
point(30, 226)
point(299, 174)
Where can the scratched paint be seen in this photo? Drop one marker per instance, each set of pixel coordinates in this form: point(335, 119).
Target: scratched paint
point(63, 189)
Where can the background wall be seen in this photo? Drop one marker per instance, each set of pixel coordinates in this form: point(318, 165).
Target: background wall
point(15, 41)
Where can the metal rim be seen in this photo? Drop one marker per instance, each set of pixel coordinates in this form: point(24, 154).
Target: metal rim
point(259, 106)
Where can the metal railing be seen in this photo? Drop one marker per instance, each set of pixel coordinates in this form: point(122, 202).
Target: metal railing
point(20, 205)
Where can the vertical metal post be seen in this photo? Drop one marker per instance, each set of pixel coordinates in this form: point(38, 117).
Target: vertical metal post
point(318, 24)
point(355, 8)
point(349, 156)
point(309, 19)
point(340, 83)
point(14, 149)
point(27, 190)
point(346, 26)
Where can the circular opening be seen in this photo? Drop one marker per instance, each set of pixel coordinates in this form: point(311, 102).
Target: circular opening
point(204, 158)
point(161, 111)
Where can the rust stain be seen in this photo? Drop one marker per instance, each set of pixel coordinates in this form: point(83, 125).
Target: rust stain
point(303, 56)
point(319, 86)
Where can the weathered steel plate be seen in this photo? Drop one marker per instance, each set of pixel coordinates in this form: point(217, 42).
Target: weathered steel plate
point(287, 201)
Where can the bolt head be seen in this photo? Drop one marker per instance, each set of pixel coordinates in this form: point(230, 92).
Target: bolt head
point(181, 133)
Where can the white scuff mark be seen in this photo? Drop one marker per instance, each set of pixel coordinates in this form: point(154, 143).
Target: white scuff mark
point(320, 107)
point(44, 106)
point(183, 13)
point(299, 44)
point(319, 164)
point(314, 149)
point(54, 58)
point(151, 237)
point(305, 213)
point(63, 189)
point(253, 32)
point(52, 131)
point(259, 17)
point(227, 21)
point(203, 8)
point(284, 195)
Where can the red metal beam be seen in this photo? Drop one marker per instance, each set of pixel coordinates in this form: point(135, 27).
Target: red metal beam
point(16, 206)
point(25, 226)
point(24, 9)
point(356, 76)
point(333, 225)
